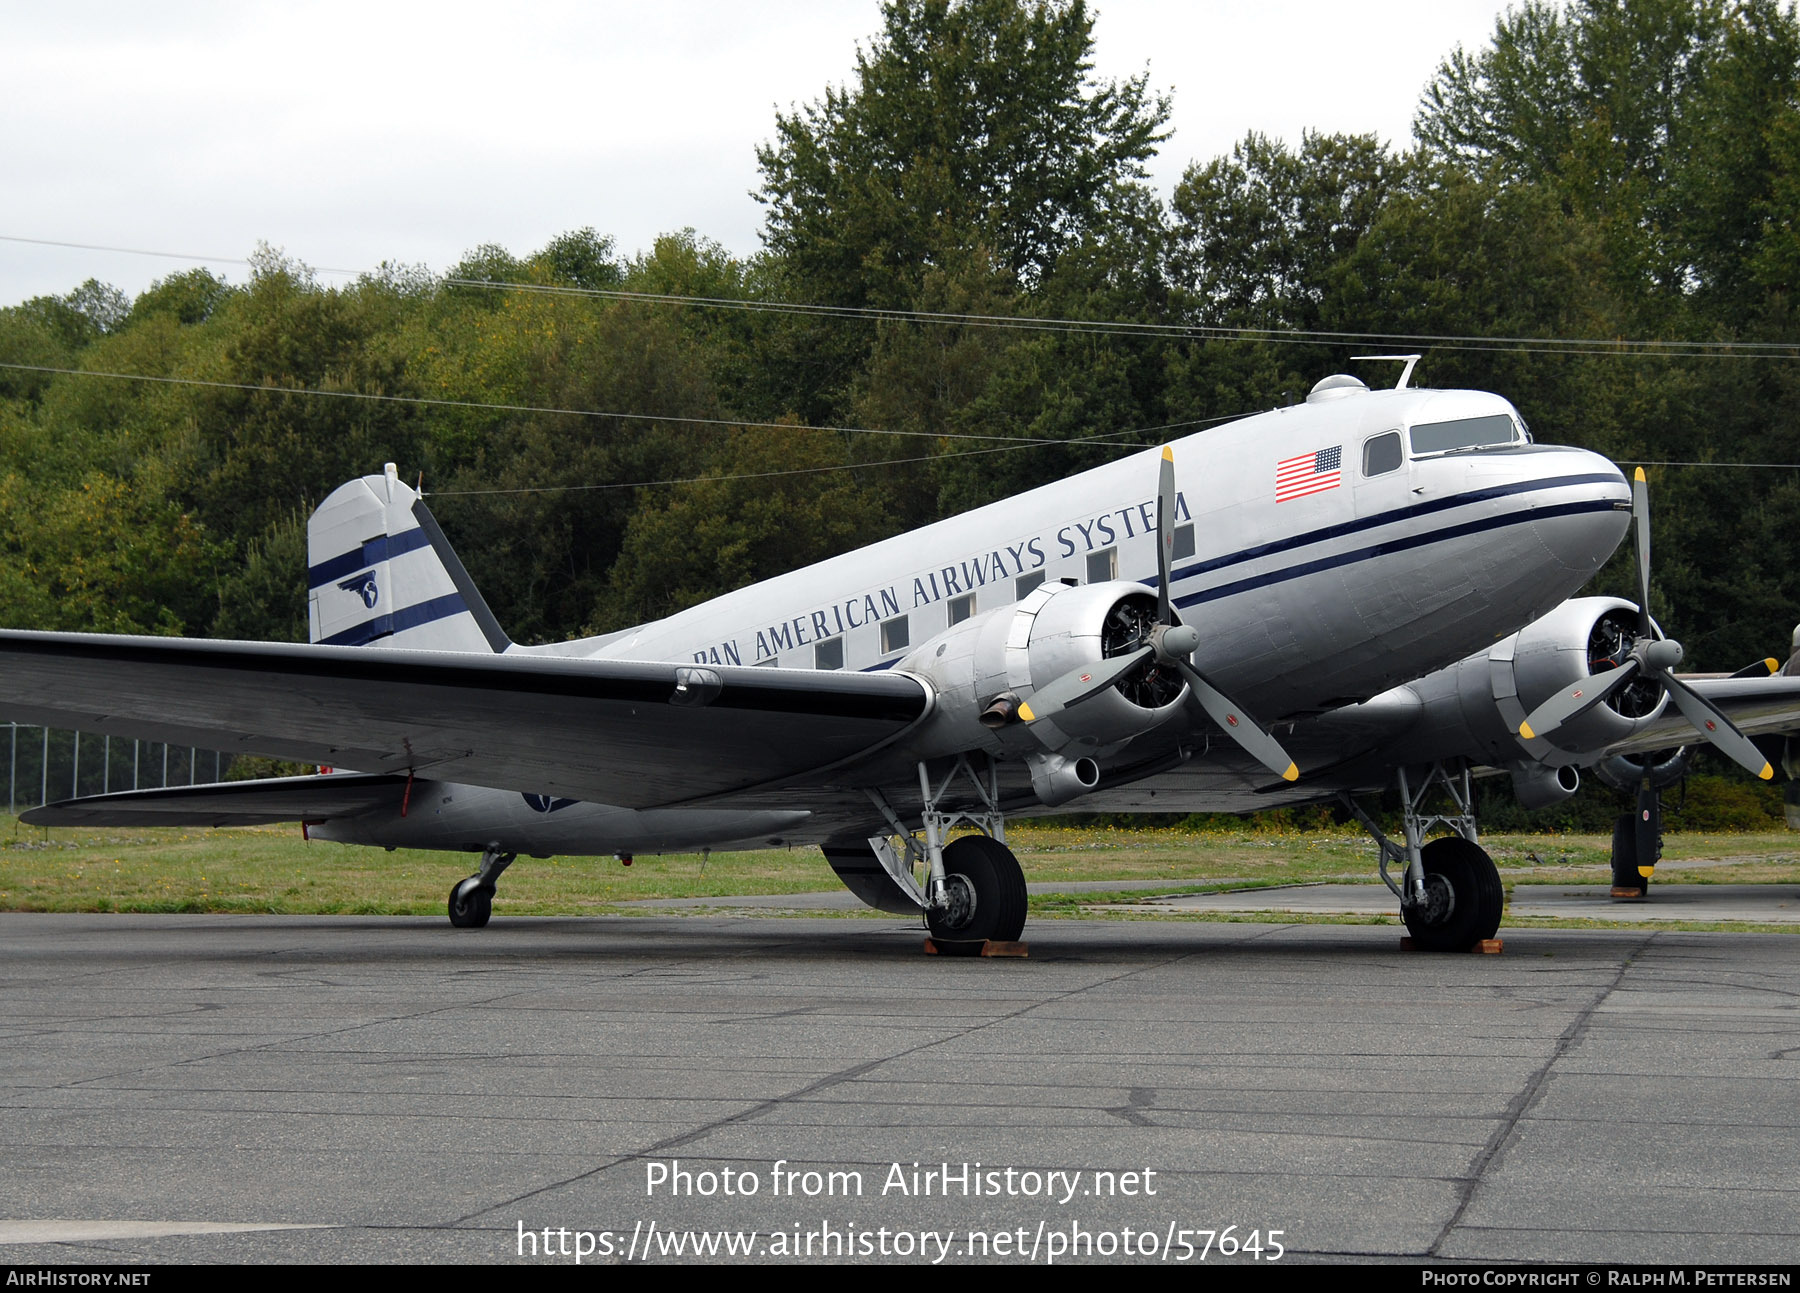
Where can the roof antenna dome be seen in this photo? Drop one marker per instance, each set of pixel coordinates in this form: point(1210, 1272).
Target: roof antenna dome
point(1335, 387)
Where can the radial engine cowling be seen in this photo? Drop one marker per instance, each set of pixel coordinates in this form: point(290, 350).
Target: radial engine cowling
point(1580, 638)
point(984, 667)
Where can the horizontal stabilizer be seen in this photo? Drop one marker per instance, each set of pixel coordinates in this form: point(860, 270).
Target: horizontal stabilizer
point(229, 803)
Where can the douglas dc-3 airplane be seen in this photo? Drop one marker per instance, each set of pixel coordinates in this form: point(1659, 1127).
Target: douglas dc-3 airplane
point(1365, 591)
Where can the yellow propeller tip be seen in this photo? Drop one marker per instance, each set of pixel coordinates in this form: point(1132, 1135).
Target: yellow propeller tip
point(1526, 732)
point(1292, 773)
point(1168, 453)
point(1640, 473)
point(1025, 713)
point(1646, 871)
point(1773, 665)
point(1767, 774)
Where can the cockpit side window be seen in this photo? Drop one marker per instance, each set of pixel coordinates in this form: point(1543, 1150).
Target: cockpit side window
point(1381, 454)
point(1464, 433)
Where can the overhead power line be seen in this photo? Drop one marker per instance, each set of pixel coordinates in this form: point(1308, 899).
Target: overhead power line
point(490, 406)
point(1591, 346)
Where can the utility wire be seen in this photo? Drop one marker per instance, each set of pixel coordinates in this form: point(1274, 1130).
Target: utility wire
point(515, 408)
point(1455, 341)
point(1596, 346)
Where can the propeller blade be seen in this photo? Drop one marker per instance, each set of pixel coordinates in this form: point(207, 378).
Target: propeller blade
point(1079, 684)
point(1718, 729)
point(1239, 726)
point(1165, 535)
point(1572, 702)
point(1640, 520)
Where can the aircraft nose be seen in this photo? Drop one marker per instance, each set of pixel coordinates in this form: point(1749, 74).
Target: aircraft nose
point(1583, 511)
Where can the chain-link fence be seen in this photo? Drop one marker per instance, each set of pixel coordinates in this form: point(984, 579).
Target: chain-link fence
point(46, 764)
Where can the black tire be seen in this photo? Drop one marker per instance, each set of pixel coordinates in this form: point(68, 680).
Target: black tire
point(1467, 898)
point(1624, 854)
point(471, 904)
point(993, 879)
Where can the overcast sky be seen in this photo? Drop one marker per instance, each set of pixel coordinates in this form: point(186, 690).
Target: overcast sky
point(349, 134)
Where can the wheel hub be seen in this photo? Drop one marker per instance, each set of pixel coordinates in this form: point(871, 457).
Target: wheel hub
point(959, 903)
point(1440, 901)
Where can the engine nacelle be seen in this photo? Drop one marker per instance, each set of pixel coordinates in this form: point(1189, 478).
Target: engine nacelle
point(982, 668)
point(1578, 639)
point(1478, 703)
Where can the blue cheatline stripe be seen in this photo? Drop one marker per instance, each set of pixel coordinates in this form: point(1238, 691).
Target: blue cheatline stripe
point(381, 548)
point(1400, 543)
point(438, 608)
point(1380, 519)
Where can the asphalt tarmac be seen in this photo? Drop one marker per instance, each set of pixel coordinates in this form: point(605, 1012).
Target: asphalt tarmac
point(258, 1089)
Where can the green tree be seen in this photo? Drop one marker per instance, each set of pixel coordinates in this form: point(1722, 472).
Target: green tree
point(969, 126)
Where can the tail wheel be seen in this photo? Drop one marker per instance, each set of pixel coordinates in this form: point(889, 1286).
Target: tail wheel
point(471, 904)
point(987, 895)
point(1463, 897)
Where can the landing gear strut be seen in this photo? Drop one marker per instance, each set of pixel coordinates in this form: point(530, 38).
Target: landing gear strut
point(472, 900)
point(1450, 893)
point(974, 890)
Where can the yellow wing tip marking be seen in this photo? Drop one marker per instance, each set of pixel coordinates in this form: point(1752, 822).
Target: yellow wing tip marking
point(1168, 453)
point(1025, 712)
point(1640, 473)
point(1292, 773)
point(1767, 774)
point(1526, 732)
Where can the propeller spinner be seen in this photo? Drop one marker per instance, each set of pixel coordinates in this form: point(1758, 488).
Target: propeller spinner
point(1653, 658)
point(1169, 644)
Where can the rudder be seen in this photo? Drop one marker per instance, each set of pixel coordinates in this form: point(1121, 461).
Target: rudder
point(379, 570)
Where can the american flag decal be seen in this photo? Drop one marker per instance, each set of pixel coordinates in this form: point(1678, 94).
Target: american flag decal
point(1310, 473)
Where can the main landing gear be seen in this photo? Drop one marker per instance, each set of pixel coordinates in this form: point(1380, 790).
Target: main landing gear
point(974, 889)
point(1450, 894)
point(472, 900)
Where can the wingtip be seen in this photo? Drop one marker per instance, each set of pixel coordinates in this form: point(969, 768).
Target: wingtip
point(1292, 773)
point(1526, 732)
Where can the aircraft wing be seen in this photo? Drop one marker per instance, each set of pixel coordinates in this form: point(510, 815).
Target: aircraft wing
point(631, 733)
point(1759, 707)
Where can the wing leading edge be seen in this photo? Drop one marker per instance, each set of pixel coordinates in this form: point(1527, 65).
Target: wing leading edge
point(635, 734)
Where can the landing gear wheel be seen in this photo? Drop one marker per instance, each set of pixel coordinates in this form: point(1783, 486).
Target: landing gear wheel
point(1463, 897)
point(1624, 856)
point(471, 903)
point(987, 896)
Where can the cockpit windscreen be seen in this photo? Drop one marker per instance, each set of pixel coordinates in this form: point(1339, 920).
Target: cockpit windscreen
point(1464, 433)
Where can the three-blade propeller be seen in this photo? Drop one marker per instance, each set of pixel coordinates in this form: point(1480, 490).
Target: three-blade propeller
point(1170, 644)
point(1654, 658)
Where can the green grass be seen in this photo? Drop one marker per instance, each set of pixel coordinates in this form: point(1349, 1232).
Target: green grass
point(271, 869)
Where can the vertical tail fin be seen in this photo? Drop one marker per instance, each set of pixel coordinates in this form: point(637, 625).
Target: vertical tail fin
point(379, 570)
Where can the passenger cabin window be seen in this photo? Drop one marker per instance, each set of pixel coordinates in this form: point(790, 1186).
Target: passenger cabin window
point(1184, 542)
point(1103, 565)
point(1026, 583)
point(1463, 433)
point(1382, 454)
point(828, 654)
point(893, 635)
point(963, 607)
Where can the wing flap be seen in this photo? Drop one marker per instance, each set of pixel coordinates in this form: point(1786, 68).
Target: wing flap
point(637, 734)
